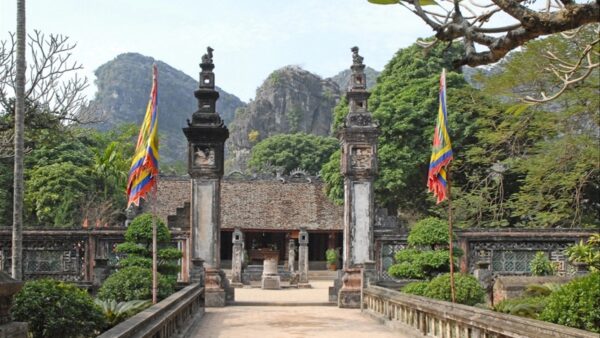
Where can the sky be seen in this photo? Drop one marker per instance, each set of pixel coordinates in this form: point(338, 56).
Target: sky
point(251, 38)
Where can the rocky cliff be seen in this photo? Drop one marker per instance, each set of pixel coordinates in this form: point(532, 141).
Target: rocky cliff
point(290, 100)
point(123, 88)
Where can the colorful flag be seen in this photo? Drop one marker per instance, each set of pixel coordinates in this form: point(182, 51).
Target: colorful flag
point(144, 166)
point(441, 153)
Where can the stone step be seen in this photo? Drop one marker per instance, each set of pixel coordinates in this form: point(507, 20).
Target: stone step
point(250, 303)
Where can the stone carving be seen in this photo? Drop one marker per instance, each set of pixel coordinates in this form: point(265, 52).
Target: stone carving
point(208, 57)
point(361, 158)
point(356, 59)
point(360, 119)
point(204, 156)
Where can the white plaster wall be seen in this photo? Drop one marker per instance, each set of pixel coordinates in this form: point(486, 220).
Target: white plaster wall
point(202, 222)
point(362, 222)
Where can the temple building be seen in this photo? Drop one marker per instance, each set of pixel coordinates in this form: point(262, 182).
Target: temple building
point(269, 211)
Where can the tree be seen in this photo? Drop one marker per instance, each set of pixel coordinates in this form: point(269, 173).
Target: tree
point(17, 236)
point(293, 151)
point(477, 23)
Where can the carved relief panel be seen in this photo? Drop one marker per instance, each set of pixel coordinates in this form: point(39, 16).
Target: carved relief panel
point(203, 157)
point(360, 158)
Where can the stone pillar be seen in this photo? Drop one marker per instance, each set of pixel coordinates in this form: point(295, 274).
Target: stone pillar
point(358, 140)
point(101, 271)
point(9, 329)
point(303, 259)
point(291, 254)
point(206, 134)
point(237, 258)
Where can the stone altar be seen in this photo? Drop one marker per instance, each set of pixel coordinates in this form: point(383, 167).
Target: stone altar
point(270, 278)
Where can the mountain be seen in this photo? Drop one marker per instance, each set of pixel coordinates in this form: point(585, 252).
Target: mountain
point(123, 89)
point(290, 100)
point(343, 78)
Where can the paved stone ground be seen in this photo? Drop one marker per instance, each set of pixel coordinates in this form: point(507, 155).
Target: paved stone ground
point(298, 320)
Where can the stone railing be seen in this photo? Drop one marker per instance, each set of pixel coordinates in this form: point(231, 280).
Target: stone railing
point(423, 317)
point(170, 317)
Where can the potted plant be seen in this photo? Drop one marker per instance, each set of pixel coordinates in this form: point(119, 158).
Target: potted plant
point(332, 256)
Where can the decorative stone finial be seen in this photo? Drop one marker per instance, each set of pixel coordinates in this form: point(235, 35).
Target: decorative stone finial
point(357, 60)
point(207, 59)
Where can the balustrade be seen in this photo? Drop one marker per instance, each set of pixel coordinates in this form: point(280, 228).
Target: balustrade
point(424, 317)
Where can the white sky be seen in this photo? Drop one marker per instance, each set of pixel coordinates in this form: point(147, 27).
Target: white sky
point(250, 38)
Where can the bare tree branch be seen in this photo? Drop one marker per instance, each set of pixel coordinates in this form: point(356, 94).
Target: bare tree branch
point(489, 35)
point(53, 82)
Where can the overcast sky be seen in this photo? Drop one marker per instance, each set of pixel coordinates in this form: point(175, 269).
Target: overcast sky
point(250, 38)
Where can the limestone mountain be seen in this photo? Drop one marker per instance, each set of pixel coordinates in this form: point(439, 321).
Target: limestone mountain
point(343, 78)
point(290, 100)
point(123, 88)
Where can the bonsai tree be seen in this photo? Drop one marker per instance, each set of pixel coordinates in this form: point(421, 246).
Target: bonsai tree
point(332, 256)
point(57, 309)
point(427, 254)
point(133, 280)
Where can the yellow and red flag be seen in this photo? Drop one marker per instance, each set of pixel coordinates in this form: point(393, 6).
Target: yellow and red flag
point(144, 166)
point(441, 153)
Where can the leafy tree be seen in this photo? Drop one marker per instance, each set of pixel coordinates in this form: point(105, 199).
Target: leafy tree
point(57, 309)
point(427, 254)
point(293, 151)
point(576, 304)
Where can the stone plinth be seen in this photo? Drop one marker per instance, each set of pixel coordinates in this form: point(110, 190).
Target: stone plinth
point(270, 277)
point(8, 329)
point(214, 293)
point(349, 295)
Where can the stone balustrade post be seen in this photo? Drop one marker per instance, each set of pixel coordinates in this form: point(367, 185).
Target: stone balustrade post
point(8, 328)
point(303, 259)
point(237, 258)
point(291, 254)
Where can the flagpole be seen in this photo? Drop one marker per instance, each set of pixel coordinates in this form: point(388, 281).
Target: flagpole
point(154, 247)
point(450, 245)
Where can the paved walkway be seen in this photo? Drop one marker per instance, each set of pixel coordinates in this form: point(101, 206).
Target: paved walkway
point(299, 320)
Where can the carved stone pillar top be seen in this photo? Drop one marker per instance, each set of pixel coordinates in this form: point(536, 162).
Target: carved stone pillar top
point(303, 237)
point(206, 132)
point(237, 237)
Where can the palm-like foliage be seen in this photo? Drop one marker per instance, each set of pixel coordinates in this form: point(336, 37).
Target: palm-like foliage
point(115, 312)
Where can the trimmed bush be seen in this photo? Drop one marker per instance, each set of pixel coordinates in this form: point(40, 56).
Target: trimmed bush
point(576, 304)
point(430, 232)
point(468, 289)
point(415, 288)
point(57, 309)
point(133, 283)
point(529, 307)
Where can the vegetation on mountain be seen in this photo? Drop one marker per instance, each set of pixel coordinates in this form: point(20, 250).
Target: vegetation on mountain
point(293, 151)
point(291, 100)
point(123, 88)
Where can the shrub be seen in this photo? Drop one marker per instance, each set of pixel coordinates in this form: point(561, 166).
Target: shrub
point(529, 307)
point(134, 283)
point(57, 309)
point(468, 290)
point(576, 304)
point(116, 312)
point(415, 288)
point(540, 265)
